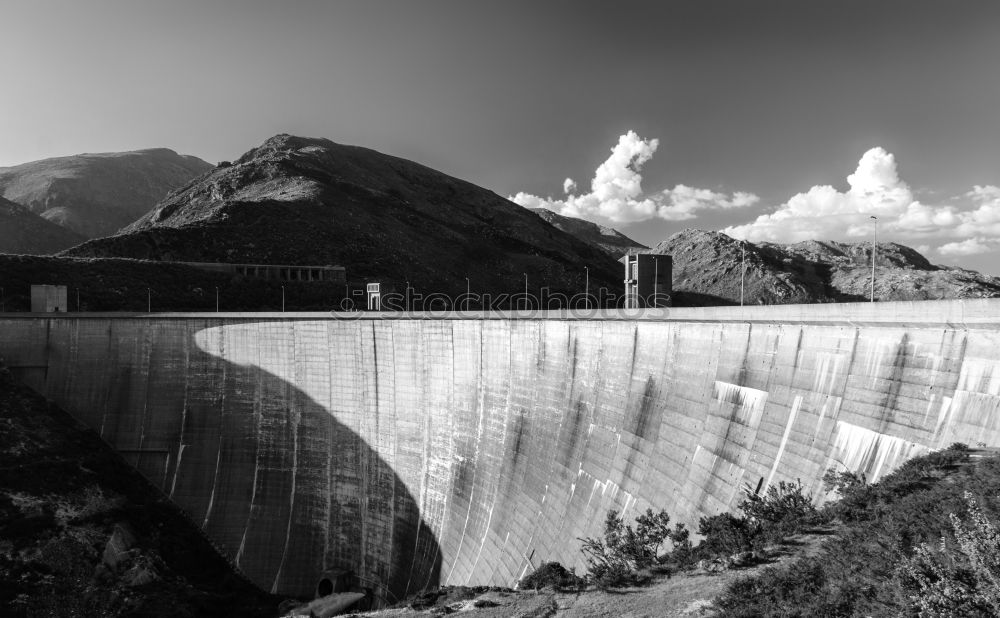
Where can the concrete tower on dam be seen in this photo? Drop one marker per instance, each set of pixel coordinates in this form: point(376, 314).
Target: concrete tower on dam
point(416, 450)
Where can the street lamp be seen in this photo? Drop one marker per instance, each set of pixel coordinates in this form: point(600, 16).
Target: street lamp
point(525, 291)
point(149, 301)
point(586, 285)
point(743, 269)
point(216, 299)
point(3, 301)
point(874, 249)
point(468, 293)
point(282, 299)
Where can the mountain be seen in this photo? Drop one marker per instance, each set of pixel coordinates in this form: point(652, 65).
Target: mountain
point(296, 200)
point(608, 239)
point(97, 194)
point(707, 266)
point(22, 231)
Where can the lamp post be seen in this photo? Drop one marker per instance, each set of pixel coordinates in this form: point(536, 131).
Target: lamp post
point(586, 285)
point(743, 269)
point(3, 301)
point(149, 301)
point(874, 249)
point(468, 292)
point(525, 291)
point(406, 296)
point(282, 299)
point(216, 299)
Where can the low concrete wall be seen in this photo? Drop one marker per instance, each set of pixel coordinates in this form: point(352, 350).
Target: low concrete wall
point(417, 449)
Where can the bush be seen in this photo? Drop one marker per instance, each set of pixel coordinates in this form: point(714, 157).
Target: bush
point(844, 482)
point(962, 580)
point(613, 562)
point(783, 507)
point(725, 534)
point(551, 574)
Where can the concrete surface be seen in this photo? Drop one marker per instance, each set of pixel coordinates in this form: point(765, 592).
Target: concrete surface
point(417, 449)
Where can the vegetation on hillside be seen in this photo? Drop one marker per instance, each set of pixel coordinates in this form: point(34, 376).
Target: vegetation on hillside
point(921, 542)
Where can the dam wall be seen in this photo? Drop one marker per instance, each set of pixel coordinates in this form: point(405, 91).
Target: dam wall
point(417, 449)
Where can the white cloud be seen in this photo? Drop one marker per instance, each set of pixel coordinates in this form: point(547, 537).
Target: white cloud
point(822, 212)
point(616, 191)
point(875, 188)
point(972, 246)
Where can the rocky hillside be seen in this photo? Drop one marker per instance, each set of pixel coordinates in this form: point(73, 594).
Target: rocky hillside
point(707, 272)
point(22, 231)
point(608, 239)
point(82, 534)
point(97, 194)
point(297, 200)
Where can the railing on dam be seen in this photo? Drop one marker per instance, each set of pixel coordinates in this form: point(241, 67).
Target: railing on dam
point(964, 313)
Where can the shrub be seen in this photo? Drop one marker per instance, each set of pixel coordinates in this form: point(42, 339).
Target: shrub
point(613, 561)
point(550, 574)
point(962, 580)
point(783, 505)
point(843, 482)
point(725, 534)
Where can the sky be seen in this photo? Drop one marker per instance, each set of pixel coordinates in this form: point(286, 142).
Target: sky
point(769, 120)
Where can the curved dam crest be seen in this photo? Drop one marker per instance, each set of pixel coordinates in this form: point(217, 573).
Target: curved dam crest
point(417, 449)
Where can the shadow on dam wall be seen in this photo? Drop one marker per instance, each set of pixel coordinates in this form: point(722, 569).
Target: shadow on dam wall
point(288, 492)
point(416, 450)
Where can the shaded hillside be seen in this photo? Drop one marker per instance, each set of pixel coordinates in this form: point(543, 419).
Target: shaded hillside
point(22, 231)
point(300, 200)
point(83, 534)
point(122, 285)
point(707, 269)
point(608, 239)
point(97, 194)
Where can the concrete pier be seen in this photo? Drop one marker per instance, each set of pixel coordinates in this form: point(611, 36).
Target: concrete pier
point(417, 449)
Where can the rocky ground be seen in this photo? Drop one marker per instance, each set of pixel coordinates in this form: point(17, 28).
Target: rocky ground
point(681, 595)
point(83, 534)
point(707, 267)
point(608, 239)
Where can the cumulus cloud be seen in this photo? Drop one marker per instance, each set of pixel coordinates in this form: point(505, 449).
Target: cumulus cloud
point(876, 189)
point(971, 246)
point(616, 192)
point(824, 212)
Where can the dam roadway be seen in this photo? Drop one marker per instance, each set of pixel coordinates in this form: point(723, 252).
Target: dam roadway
point(417, 449)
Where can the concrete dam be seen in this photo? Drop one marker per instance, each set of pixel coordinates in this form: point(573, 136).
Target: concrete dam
point(414, 450)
